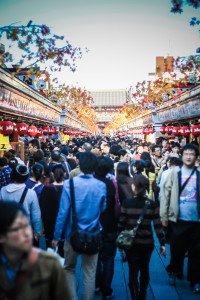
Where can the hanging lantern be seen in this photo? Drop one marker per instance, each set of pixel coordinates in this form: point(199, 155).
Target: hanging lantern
point(32, 131)
point(195, 129)
point(162, 129)
point(6, 127)
point(185, 131)
point(51, 130)
point(168, 129)
point(176, 131)
point(151, 130)
point(66, 131)
point(39, 132)
point(22, 128)
point(46, 130)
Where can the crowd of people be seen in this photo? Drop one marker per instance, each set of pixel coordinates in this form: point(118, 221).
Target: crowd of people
point(112, 180)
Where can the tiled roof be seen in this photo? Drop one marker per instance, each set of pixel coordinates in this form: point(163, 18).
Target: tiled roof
point(108, 97)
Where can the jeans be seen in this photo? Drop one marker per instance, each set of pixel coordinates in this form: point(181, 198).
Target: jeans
point(185, 236)
point(89, 264)
point(105, 265)
point(138, 261)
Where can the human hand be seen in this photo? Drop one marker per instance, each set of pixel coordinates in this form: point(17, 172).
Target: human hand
point(54, 244)
point(164, 223)
point(163, 251)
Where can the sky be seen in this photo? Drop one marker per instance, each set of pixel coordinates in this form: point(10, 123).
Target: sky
point(123, 36)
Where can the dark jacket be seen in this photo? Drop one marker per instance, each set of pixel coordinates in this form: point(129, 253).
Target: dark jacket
point(49, 206)
point(108, 219)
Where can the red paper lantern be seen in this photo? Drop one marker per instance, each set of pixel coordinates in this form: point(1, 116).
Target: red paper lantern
point(6, 127)
point(185, 131)
point(162, 129)
point(195, 129)
point(176, 131)
point(32, 131)
point(39, 132)
point(22, 128)
point(51, 130)
point(151, 130)
point(168, 129)
point(66, 131)
point(46, 130)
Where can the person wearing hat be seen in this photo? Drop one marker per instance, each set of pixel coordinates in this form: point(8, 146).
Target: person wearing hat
point(17, 191)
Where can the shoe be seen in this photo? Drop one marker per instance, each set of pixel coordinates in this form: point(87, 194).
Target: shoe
point(172, 279)
point(107, 297)
point(196, 288)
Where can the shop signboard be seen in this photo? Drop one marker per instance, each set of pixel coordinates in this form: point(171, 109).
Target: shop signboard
point(4, 142)
point(11, 101)
point(186, 110)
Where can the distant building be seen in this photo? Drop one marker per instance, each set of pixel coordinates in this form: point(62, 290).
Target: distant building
point(106, 103)
point(164, 65)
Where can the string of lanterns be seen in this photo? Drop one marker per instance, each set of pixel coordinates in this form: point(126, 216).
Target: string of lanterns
point(184, 131)
point(8, 127)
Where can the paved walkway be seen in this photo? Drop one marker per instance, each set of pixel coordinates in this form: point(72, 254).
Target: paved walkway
point(158, 288)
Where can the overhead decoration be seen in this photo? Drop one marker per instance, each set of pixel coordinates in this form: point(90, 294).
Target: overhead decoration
point(22, 128)
point(6, 127)
point(32, 131)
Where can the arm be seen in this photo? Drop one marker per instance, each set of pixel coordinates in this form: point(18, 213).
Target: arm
point(165, 195)
point(63, 212)
point(35, 212)
point(103, 199)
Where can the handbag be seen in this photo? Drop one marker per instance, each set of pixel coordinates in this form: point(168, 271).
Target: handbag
point(83, 241)
point(126, 238)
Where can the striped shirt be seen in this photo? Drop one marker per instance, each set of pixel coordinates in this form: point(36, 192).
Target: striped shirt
point(131, 210)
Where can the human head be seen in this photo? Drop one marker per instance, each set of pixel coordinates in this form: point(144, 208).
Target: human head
point(105, 148)
point(190, 153)
point(140, 149)
point(33, 146)
point(64, 150)
point(15, 230)
point(105, 165)
point(176, 147)
point(3, 162)
point(19, 174)
point(114, 150)
point(156, 151)
point(87, 147)
point(122, 169)
point(123, 155)
point(137, 167)
point(58, 172)
point(164, 143)
point(55, 155)
point(140, 185)
point(174, 161)
point(37, 171)
point(87, 162)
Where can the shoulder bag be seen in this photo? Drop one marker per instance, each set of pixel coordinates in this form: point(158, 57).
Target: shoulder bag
point(83, 241)
point(126, 238)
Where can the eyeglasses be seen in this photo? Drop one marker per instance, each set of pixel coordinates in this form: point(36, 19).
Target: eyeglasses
point(19, 228)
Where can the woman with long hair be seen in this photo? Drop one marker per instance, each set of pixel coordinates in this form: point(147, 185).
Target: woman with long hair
point(139, 255)
point(49, 203)
point(122, 176)
point(34, 182)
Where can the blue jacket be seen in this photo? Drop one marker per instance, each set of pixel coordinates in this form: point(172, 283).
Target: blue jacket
point(90, 202)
